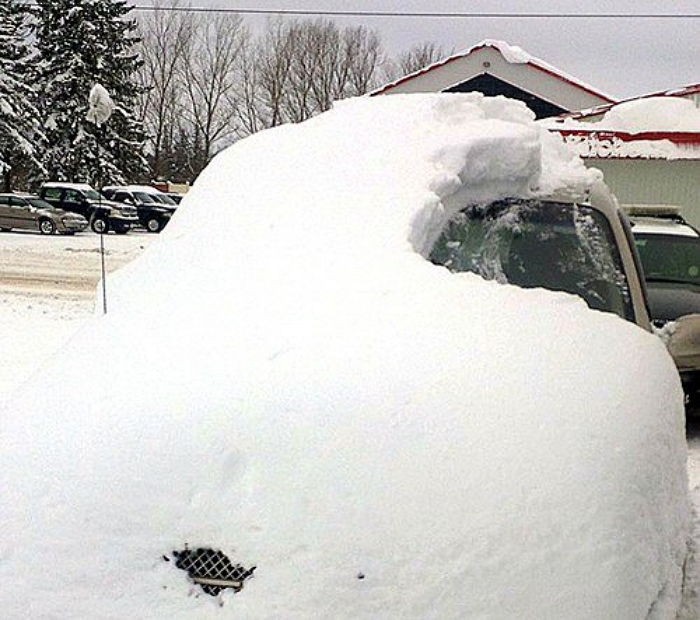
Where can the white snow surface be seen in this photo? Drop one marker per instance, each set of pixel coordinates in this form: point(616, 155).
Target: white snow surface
point(653, 114)
point(512, 53)
point(299, 387)
point(645, 114)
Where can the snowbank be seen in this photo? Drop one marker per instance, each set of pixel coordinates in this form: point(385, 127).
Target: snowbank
point(299, 388)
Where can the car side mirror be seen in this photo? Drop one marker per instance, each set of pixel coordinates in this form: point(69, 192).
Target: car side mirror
point(684, 342)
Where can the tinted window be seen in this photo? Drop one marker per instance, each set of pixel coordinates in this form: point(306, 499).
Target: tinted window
point(52, 193)
point(91, 194)
point(16, 201)
point(144, 197)
point(73, 196)
point(558, 246)
point(39, 204)
point(669, 258)
point(4, 200)
point(165, 199)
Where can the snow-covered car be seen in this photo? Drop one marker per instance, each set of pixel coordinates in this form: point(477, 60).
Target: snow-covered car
point(28, 212)
point(154, 207)
point(348, 430)
point(103, 215)
point(669, 248)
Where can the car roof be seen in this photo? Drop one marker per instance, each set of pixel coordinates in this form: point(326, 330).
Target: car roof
point(81, 186)
point(146, 189)
point(658, 219)
point(662, 226)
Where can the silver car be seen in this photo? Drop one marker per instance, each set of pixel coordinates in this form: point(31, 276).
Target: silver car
point(24, 212)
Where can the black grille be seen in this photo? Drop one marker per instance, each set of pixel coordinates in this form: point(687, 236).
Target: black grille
point(212, 569)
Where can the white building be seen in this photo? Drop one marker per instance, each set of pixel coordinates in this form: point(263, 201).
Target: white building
point(497, 68)
point(647, 147)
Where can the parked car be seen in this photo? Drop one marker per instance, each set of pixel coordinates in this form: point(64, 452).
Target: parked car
point(586, 249)
point(154, 208)
point(669, 248)
point(29, 212)
point(103, 215)
point(346, 429)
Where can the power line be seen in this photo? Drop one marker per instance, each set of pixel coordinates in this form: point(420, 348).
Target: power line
point(432, 14)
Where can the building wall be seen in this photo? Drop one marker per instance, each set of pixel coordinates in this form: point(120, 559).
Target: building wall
point(654, 181)
point(490, 61)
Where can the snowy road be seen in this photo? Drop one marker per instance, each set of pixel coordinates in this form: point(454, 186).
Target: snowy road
point(47, 291)
point(65, 265)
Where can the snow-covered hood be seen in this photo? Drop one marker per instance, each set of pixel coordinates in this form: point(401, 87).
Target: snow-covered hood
point(379, 437)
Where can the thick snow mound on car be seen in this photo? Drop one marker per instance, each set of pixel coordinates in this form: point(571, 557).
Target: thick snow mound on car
point(284, 377)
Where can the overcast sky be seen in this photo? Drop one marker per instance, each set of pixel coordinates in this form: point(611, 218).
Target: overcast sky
point(623, 57)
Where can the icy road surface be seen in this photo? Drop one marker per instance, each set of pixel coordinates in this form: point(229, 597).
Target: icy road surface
point(48, 289)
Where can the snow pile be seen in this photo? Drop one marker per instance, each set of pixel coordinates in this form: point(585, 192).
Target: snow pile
point(653, 114)
point(512, 53)
point(301, 389)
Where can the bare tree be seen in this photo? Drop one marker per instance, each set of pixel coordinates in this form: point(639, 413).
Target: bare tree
point(363, 50)
point(166, 37)
point(300, 67)
point(414, 59)
point(420, 56)
point(274, 57)
point(329, 64)
point(210, 82)
point(210, 74)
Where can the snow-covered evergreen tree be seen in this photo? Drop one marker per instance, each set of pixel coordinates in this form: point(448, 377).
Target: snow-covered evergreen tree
point(80, 43)
point(20, 138)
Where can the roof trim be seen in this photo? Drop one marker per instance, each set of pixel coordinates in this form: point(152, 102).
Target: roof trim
point(680, 138)
point(531, 61)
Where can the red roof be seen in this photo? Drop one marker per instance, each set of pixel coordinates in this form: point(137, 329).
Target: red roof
point(681, 138)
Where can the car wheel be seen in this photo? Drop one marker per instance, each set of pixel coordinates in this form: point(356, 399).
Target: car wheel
point(99, 225)
point(153, 225)
point(47, 227)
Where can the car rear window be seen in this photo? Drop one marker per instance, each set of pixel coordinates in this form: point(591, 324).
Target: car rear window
point(532, 243)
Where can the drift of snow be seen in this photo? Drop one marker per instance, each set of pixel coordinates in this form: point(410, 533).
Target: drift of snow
point(300, 388)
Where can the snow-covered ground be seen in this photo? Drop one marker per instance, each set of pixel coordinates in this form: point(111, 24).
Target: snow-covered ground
point(48, 288)
point(300, 388)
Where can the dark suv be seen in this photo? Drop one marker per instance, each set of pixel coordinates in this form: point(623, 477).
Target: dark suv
point(103, 215)
point(154, 208)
